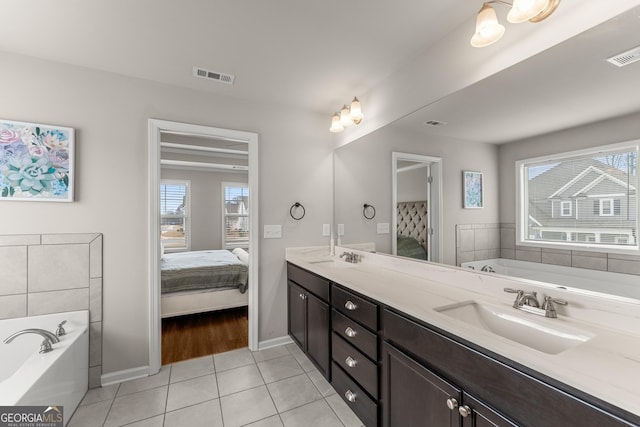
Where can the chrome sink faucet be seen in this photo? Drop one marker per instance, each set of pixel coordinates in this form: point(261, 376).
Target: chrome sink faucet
point(350, 257)
point(528, 301)
point(45, 347)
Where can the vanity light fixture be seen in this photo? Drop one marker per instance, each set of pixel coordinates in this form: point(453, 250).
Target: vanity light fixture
point(347, 116)
point(489, 30)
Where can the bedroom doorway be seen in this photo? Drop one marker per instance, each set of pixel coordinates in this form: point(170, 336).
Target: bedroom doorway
point(203, 200)
point(417, 188)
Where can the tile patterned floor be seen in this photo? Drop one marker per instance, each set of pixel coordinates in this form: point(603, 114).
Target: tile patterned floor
point(277, 387)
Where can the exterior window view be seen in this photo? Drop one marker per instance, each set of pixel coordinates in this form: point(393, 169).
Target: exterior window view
point(586, 200)
point(236, 215)
point(174, 203)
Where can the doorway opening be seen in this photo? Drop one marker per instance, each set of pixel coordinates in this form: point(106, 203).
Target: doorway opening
point(203, 263)
point(416, 194)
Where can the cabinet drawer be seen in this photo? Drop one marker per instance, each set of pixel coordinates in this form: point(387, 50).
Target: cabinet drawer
point(361, 369)
point(355, 334)
point(314, 284)
point(362, 405)
point(355, 307)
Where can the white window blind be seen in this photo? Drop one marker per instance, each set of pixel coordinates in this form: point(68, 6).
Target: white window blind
point(235, 215)
point(174, 214)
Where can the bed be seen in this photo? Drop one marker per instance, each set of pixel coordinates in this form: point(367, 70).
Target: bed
point(412, 232)
point(200, 281)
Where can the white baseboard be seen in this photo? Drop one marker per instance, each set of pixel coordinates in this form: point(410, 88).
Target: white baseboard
point(274, 342)
point(124, 375)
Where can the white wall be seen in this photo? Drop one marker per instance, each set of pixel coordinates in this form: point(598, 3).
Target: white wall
point(620, 129)
point(363, 174)
point(412, 185)
point(110, 113)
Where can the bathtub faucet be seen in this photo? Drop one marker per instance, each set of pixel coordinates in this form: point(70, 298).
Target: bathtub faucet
point(488, 269)
point(45, 347)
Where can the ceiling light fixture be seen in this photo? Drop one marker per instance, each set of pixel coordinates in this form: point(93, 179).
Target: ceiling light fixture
point(347, 116)
point(489, 30)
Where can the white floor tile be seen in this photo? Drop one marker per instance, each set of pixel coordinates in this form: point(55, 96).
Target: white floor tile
point(100, 394)
point(315, 414)
point(90, 415)
point(293, 392)
point(274, 421)
point(137, 406)
point(280, 368)
point(147, 383)
point(246, 407)
point(342, 410)
point(156, 421)
point(233, 359)
point(270, 353)
point(190, 392)
point(191, 369)
point(206, 414)
point(239, 379)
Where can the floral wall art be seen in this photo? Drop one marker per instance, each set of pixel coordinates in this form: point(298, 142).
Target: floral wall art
point(36, 162)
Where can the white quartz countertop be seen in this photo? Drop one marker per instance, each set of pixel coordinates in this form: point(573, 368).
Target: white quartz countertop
point(607, 366)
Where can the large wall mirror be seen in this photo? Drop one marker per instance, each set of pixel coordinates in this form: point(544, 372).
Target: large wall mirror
point(489, 125)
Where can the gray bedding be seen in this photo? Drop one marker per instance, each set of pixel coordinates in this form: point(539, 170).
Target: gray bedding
point(185, 271)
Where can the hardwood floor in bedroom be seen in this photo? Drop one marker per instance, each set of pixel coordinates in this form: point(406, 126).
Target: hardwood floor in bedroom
point(202, 334)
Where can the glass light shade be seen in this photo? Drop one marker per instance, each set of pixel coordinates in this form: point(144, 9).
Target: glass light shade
point(523, 10)
point(345, 119)
point(355, 112)
point(488, 29)
point(336, 126)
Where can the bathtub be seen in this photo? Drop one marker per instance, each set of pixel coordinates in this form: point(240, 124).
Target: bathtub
point(578, 279)
point(57, 378)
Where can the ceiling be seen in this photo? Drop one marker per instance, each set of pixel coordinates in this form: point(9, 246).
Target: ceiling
point(569, 85)
point(314, 55)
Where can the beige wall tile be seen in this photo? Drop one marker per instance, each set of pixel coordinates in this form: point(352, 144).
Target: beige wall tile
point(62, 239)
point(529, 255)
point(589, 262)
point(13, 306)
point(13, 270)
point(507, 238)
point(493, 238)
point(19, 239)
point(465, 257)
point(589, 254)
point(95, 257)
point(95, 343)
point(58, 301)
point(466, 240)
point(624, 266)
point(53, 267)
point(481, 239)
point(556, 258)
point(95, 299)
point(508, 253)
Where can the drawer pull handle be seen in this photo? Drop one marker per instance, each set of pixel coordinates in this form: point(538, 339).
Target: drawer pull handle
point(351, 396)
point(350, 306)
point(351, 362)
point(350, 332)
point(452, 403)
point(465, 411)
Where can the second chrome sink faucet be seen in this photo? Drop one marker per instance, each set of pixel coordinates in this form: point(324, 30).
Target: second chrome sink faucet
point(528, 301)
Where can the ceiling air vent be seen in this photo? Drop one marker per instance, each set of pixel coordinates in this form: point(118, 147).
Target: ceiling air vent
point(434, 123)
point(213, 75)
point(626, 58)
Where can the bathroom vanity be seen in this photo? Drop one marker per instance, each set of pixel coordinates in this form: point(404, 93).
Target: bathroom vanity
point(403, 347)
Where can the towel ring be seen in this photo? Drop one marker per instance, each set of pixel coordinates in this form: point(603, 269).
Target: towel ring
point(367, 207)
point(295, 206)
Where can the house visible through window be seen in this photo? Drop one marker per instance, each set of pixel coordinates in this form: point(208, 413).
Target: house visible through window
point(235, 215)
point(585, 199)
point(174, 215)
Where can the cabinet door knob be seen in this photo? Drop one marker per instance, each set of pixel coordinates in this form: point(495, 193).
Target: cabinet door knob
point(350, 332)
point(350, 306)
point(465, 411)
point(351, 362)
point(452, 403)
point(301, 296)
point(351, 396)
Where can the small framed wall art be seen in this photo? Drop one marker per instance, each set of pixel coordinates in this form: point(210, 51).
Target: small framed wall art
point(36, 162)
point(473, 190)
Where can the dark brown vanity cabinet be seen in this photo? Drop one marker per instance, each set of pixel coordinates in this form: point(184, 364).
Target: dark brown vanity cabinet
point(413, 395)
point(423, 369)
point(354, 352)
point(309, 315)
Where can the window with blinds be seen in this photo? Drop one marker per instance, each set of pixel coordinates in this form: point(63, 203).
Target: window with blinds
point(235, 215)
point(174, 214)
point(585, 199)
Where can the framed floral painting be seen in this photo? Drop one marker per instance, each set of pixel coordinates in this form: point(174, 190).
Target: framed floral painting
point(473, 196)
point(36, 162)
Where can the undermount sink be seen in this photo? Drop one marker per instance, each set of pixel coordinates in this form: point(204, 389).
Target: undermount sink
point(545, 335)
point(334, 263)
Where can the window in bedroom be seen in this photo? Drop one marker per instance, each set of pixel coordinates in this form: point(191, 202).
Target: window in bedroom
point(584, 199)
point(235, 215)
point(174, 215)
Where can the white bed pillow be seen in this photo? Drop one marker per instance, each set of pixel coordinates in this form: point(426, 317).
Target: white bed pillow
point(242, 255)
